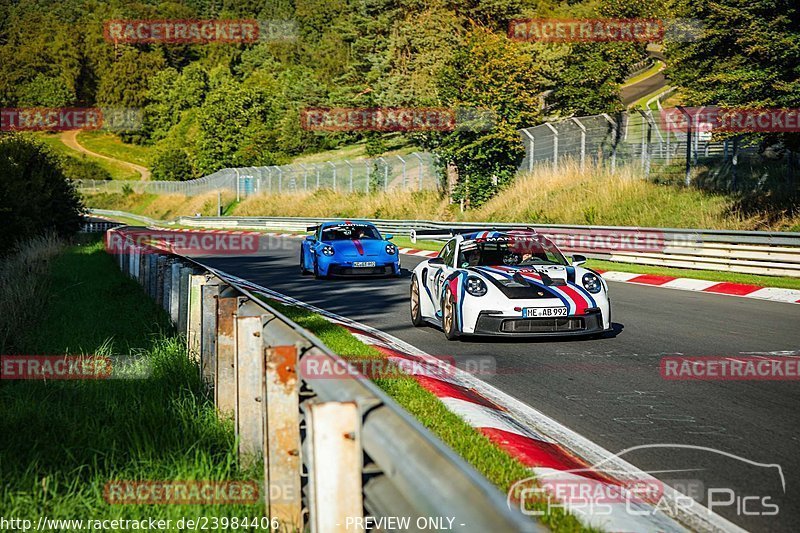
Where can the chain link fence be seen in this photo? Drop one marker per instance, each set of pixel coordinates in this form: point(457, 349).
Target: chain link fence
point(645, 139)
point(642, 138)
point(411, 172)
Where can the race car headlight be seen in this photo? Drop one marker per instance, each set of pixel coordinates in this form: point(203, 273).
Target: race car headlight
point(327, 250)
point(391, 249)
point(592, 283)
point(476, 286)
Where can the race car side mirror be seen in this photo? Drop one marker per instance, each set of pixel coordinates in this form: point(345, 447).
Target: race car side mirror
point(310, 238)
point(436, 261)
point(388, 236)
point(578, 259)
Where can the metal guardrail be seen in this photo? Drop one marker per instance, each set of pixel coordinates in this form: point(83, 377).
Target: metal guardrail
point(750, 252)
point(333, 449)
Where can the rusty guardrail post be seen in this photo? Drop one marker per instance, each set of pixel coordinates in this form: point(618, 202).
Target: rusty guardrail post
point(194, 316)
point(281, 415)
point(209, 293)
point(334, 459)
point(249, 363)
point(225, 373)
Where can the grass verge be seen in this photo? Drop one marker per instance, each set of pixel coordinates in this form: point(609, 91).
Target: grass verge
point(63, 440)
point(571, 196)
point(495, 464)
point(117, 172)
point(110, 145)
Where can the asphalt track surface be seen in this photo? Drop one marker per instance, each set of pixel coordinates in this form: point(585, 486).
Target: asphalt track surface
point(611, 390)
point(632, 93)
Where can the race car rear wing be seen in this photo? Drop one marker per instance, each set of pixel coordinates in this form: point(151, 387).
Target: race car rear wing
point(447, 233)
point(312, 228)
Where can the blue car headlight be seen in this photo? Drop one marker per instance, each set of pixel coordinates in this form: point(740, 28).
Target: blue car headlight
point(391, 249)
point(592, 283)
point(476, 286)
point(327, 250)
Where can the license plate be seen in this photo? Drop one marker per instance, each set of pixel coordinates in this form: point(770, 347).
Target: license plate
point(541, 312)
point(362, 264)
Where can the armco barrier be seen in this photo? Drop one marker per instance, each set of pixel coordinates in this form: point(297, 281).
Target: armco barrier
point(749, 252)
point(334, 450)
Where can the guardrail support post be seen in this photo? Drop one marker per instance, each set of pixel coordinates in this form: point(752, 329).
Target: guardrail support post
point(209, 293)
point(161, 267)
point(152, 264)
point(282, 462)
point(194, 317)
point(166, 286)
point(225, 386)
point(175, 291)
point(249, 364)
point(335, 465)
point(183, 299)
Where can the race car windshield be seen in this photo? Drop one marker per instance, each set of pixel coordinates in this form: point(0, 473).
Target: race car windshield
point(349, 233)
point(519, 253)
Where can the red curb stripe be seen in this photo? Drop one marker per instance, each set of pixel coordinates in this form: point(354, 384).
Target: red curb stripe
point(651, 279)
point(532, 452)
point(738, 289)
point(443, 389)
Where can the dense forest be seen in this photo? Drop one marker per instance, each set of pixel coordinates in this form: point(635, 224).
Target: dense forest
point(209, 106)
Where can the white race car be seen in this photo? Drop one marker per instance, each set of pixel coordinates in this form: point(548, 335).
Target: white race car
point(509, 283)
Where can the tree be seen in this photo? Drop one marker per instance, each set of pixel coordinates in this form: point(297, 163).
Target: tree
point(490, 72)
point(748, 55)
point(44, 91)
point(35, 195)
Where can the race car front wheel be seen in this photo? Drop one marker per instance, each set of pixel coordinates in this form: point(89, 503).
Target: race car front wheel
point(449, 317)
point(416, 310)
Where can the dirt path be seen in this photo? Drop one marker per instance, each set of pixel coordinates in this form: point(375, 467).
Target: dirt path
point(70, 138)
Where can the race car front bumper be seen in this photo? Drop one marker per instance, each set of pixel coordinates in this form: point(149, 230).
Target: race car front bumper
point(492, 323)
point(387, 269)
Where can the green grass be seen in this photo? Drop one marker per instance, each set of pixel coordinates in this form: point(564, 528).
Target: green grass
point(116, 171)
point(395, 145)
point(488, 459)
point(710, 275)
point(63, 440)
point(110, 145)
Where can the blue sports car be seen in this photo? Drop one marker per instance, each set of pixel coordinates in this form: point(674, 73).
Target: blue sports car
point(348, 249)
